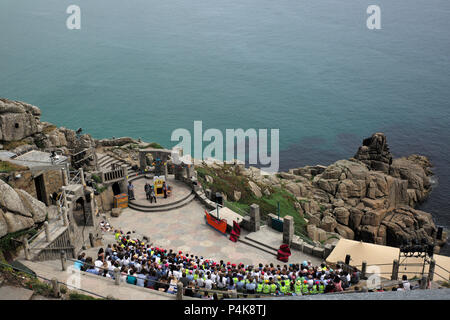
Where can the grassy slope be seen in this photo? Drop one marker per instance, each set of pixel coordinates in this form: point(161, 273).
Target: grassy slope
point(226, 181)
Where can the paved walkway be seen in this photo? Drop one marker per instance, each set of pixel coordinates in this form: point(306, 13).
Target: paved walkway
point(92, 283)
point(15, 293)
point(185, 229)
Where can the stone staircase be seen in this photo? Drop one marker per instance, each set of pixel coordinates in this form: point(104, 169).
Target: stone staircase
point(266, 239)
point(105, 163)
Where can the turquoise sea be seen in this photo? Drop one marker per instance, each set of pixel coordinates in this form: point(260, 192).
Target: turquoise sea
point(143, 68)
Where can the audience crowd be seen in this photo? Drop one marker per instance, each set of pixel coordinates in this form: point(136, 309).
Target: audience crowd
point(144, 265)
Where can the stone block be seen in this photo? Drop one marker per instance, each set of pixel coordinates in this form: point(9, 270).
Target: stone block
point(318, 252)
point(308, 248)
point(115, 212)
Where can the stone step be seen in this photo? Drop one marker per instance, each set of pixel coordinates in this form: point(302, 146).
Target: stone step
point(258, 246)
point(260, 243)
point(155, 206)
point(172, 206)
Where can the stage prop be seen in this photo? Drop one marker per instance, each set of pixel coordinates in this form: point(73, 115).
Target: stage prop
point(283, 253)
point(235, 232)
point(218, 224)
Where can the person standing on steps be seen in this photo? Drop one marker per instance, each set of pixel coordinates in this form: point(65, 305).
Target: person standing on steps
point(152, 194)
point(130, 191)
point(147, 190)
point(165, 190)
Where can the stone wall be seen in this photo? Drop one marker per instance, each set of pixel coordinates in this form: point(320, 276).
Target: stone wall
point(53, 181)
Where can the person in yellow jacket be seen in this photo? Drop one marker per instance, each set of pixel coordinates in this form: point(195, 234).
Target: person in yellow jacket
point(305, 288)
point(273, 287)
point(266, 287)
point(259, 287)
point(298, 288)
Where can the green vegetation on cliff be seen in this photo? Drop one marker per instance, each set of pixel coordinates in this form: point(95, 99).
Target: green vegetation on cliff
point(229, 182)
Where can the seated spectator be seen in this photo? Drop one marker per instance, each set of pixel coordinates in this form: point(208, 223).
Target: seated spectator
point(355, 276)
point(131, 278)
point(406, 284)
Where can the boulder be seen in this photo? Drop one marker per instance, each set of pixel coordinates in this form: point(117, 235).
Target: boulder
point(328, 223)
point(10, 200)
point(342, 215)
point(17, 222)
point(368, 233)
point(237, 195)
point(373, 218)
point(255, 189)
point(355, 218)
point(3, 225)
point(37, 208)
point(115, 212)
point(375, 153)
point(294, 189)
point(345, 231)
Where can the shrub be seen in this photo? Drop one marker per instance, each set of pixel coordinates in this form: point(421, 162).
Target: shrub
point(96, 178)
point(7, 167)
point(80, 296)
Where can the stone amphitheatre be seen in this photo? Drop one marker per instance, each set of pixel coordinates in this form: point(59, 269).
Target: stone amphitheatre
point(60, 194)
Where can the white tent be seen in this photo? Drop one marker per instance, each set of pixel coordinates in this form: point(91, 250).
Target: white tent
point(380, 259)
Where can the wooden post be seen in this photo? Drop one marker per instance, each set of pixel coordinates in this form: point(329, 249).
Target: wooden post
point(55, 287)
point(395, 267)
point(63, 261)
point(363, 270)
point(26, 248)
point(47, 231)
point(179, 291)
point(431, 270)
point(117, 276)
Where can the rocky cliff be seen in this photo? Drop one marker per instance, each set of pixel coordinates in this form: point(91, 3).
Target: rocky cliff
point(369, 197)
point(21, 130)
point(19, 210)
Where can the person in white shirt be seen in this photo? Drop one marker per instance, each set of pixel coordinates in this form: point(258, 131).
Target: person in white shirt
point(200, 282)
point(208, 283)
point(405, 282)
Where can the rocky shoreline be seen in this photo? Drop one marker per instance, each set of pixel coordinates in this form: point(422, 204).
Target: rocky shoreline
point(369, 197)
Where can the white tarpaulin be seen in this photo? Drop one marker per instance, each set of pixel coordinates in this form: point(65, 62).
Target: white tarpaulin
point(382, 257)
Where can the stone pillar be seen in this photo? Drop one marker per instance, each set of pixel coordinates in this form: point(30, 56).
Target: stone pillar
point(91, 239)
point(288, 229)
point(166, 170)
point(65, 218)
point(63, 261)
point(255, 218)
point(47, 231)
point(363, 270)
point(395, 267)
point(142, 160)
point(55, 288)
point(26, 248)
point(82, 177)
point(117, 276)
point(179, 291)
point(65, 177)
point(423, 282)
point(124, 186)
point(431, 270)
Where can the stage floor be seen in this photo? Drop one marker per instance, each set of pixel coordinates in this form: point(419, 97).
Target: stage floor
point(179, 191)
